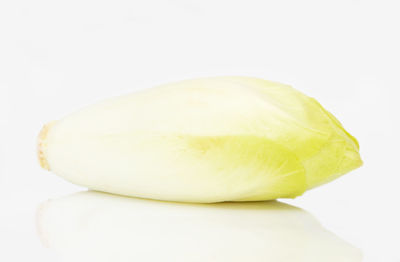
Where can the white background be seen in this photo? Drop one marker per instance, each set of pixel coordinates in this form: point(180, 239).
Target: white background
point(57, 56)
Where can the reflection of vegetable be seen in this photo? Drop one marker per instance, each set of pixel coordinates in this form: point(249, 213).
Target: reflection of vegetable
point(93, 226)
point(203, 140)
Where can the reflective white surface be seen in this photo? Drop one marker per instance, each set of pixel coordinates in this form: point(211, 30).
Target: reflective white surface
point(92, 226)
point(56, 56)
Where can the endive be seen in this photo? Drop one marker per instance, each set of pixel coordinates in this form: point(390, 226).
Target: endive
point(202, 140)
